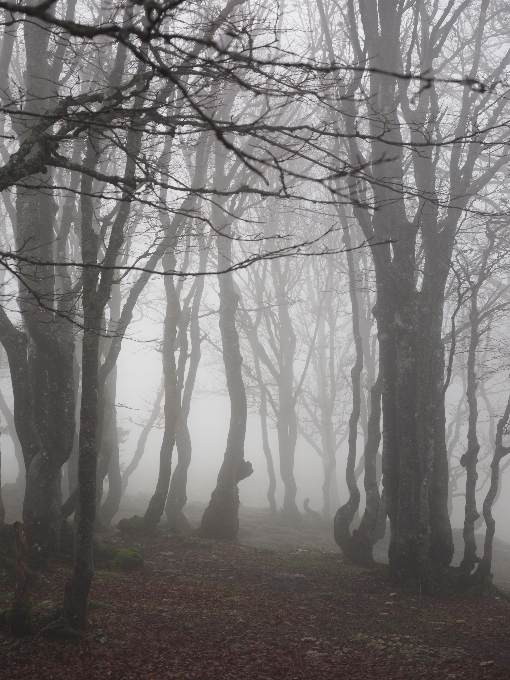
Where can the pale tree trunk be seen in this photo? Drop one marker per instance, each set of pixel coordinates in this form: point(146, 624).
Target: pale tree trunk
point(469, 460)
point(271, 490)
point(250, 329)
point(366, 535)
point(177, 494)
point(484, 567)
point(345, 514)
point(110, 440)
point(286, 418)
point(157, 503)
point(142, 439)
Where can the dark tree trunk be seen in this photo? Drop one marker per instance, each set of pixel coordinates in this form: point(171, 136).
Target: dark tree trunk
point(20, 614)
point(221, 517)
point(2, 506)
point(78, 585)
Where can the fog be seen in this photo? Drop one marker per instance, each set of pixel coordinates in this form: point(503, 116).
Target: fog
point(254, 300)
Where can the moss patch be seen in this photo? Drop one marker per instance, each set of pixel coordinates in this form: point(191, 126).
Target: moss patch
point(128, 558)
point(107, 556)
point(132, 526)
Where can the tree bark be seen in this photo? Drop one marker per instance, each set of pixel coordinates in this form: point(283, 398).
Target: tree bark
point(345, 514)
point(484, 567)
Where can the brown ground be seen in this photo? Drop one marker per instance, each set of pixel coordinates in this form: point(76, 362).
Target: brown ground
point(200, 610)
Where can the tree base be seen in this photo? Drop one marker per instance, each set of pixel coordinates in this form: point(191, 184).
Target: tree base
point(221, 517)
point(177, 521)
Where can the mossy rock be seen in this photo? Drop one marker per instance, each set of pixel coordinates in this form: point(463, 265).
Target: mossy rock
point(128, 558)
point(132, 526)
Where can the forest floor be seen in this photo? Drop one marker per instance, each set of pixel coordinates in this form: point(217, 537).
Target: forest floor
point(209, 610)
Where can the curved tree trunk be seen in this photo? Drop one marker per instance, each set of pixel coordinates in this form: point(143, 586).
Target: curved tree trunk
point(345, 514)
point(221, 518)
point(157, 503)
point(470, 459)
point(362, 539)
point(484, 567)
point(142, 439)
point(267, 450)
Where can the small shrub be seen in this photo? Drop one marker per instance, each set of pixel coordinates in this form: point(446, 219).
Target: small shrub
point(128, 558)
point(132, 526)
point(106, 556)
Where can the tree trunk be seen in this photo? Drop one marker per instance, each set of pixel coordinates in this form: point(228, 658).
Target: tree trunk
point(267, 450)
point(111, 438)
point(20, 614)
point(469, 459)
point(484, 567)
point(221, 517)
point(362, 539)
point(78, 585)
point(345, 514)
point(2, 506)
point(142, 439)
point(157, 503)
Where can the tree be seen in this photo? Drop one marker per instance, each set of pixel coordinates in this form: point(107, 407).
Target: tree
point(412, 234)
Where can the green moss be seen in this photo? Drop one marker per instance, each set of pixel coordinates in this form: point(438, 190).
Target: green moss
point(133, 526)
point(104, 554)
point(128, 558)
point(191, 540)
point(8, 565)
point(110, 577)
point(107, 556)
